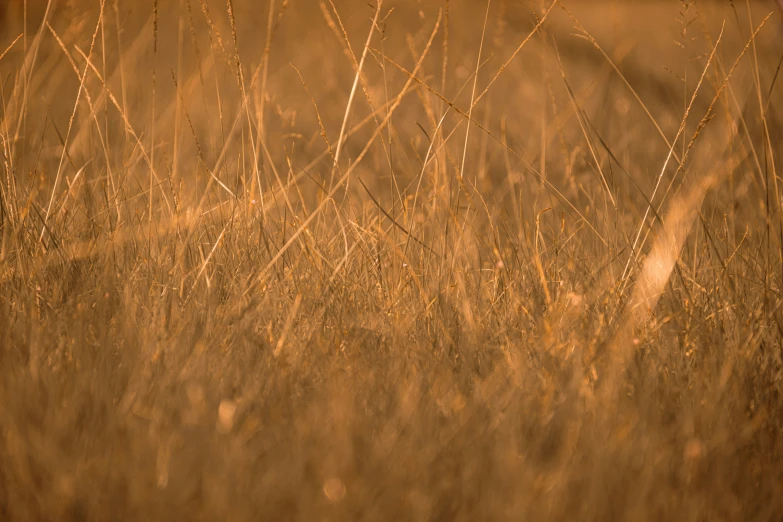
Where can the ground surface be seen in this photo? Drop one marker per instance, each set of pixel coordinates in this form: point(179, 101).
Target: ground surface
point(236, 283)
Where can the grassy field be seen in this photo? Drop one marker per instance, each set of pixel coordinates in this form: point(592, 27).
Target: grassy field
point(391, 260)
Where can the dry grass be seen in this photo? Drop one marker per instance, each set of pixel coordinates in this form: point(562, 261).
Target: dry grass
point(256, 264)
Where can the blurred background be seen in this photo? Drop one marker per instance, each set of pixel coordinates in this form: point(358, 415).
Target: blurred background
point(657, 48)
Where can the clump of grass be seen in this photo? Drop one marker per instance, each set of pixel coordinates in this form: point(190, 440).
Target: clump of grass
point(531, 272)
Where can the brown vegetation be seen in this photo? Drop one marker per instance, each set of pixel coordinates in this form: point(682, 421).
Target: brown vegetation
point(412, 260)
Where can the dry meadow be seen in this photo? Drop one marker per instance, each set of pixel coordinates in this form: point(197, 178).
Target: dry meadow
point(391, 260)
